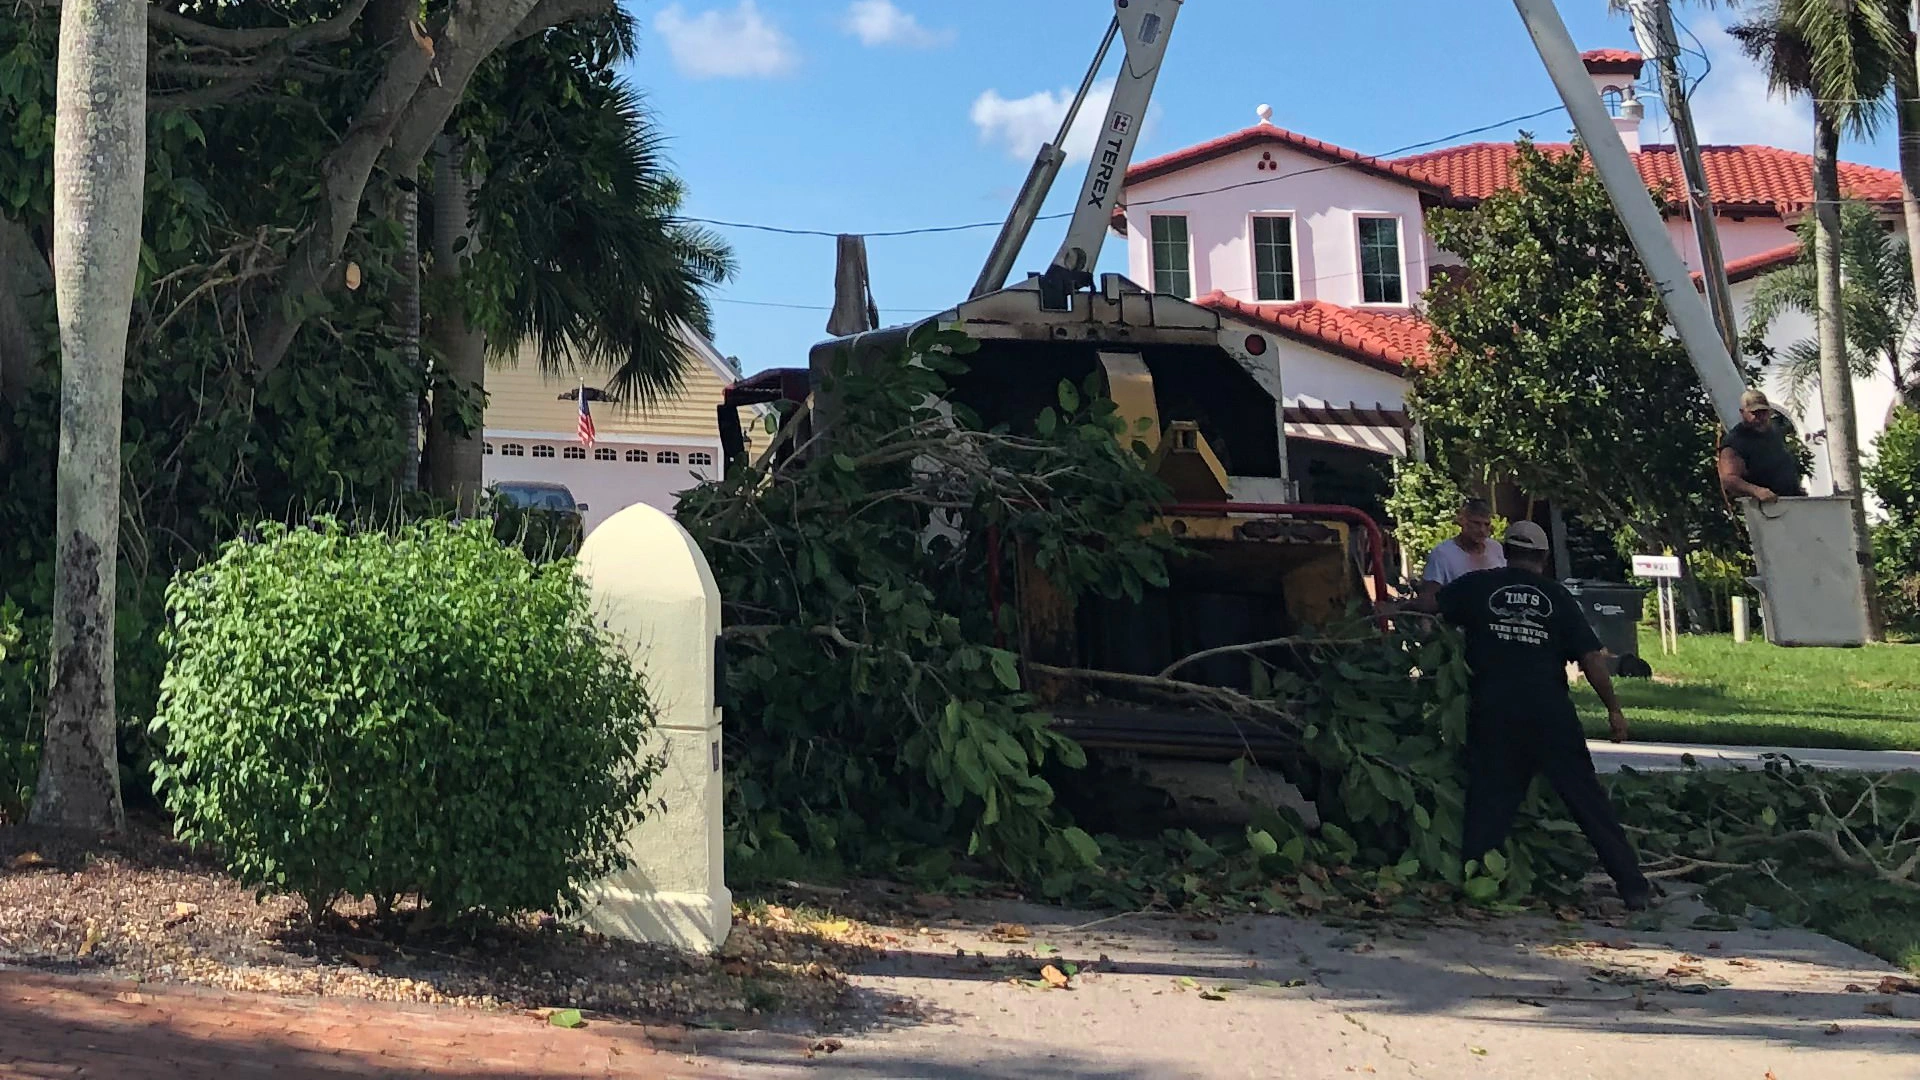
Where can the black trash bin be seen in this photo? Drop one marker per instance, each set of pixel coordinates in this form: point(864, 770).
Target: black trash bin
point(1613, 610)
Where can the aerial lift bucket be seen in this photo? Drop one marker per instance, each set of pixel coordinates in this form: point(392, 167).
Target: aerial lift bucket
point(1810, 598)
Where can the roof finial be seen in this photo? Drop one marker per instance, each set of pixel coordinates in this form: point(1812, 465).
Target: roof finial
point(1265, 113)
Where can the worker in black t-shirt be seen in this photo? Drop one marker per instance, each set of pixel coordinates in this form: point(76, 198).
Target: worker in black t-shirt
point(1754, 460)
point(1522, 629)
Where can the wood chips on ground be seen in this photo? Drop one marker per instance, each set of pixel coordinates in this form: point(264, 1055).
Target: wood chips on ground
point(145, 907)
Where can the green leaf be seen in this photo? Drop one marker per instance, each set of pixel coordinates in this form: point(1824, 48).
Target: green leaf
point(1084, 846)
point(1069, 397)
point(1495, 864)
point(1262, 842)
point(566, 1018)
point(1005, 669)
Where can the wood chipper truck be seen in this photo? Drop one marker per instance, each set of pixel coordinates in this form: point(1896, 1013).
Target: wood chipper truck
point(1208, 386)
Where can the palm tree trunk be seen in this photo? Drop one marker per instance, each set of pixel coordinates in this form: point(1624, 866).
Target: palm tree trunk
point(453, 441)
point(24, 277)
point(1906, 88)
point(1836, 376)
point(99, 174)
point(406, 314)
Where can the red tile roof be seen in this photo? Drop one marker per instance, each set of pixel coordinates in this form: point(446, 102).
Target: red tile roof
point(1613, 62)
point(1743, 179)
point(1387, 340)
point(1267, 134)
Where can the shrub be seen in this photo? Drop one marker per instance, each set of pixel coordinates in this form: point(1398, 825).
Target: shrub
point(421, 712)
point(1894, 478)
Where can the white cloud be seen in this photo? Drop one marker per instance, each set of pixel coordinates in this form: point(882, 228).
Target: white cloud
point(726, 44)
point(879, 22)
point(1733, 104)
point(1021, 125)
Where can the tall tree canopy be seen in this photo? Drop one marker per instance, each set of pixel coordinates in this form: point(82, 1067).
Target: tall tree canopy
point(1552, 364)
point(264, 376)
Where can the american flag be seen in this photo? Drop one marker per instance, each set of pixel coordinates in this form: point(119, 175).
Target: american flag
point(586, 420)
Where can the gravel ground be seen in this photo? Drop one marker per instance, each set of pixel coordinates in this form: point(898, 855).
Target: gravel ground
point(148, 908)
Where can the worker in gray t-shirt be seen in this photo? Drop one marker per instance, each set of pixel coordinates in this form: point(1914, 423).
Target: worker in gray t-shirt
point(1473, 549)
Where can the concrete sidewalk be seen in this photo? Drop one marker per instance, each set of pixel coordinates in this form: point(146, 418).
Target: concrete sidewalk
point(1283, 999)
point(1650, 757)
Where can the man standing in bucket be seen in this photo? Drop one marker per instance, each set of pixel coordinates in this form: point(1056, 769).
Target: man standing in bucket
point(1754, 460)
point(1522, 629)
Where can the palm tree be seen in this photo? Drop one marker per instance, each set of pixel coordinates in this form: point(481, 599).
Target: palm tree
point(1906, 111)
point(1838, 53)
point(99, 179)
point(1876, 292)
point(607, 272)
point(583, 253)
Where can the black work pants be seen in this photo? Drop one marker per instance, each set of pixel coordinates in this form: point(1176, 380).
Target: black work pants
point(1505, 752)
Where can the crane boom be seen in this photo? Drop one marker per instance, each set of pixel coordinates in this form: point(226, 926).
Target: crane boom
point(1143, 26)
point(1631, 200)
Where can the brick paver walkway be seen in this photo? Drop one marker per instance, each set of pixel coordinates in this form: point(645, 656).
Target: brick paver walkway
point(53, 1026)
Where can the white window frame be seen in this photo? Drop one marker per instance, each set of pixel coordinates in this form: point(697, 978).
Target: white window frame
point(1253, 252)
point(1360, 261)
point(1153, 272)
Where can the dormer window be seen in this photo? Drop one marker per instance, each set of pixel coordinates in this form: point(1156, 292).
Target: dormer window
point(1273, 277)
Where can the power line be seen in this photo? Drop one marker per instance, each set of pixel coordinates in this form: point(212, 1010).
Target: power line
point(934, 229)
point(814, 307)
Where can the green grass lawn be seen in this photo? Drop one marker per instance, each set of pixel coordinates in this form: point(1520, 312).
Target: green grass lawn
point(1714, 691)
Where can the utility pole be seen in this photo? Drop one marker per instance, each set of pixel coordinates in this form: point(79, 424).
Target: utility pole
point(1653, 29)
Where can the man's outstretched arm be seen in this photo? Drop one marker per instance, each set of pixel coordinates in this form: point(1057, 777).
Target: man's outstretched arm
point(1594, 666)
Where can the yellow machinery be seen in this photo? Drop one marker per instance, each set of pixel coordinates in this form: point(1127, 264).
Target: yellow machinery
point(1257, 566)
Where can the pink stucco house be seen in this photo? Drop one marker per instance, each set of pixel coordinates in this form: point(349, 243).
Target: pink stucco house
point(1329, 248)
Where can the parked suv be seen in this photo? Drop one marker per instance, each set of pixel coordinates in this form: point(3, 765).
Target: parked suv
point(541, 517)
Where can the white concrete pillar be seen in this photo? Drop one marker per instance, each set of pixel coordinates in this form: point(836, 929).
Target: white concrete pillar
point(653, 588)
point(1742, 628)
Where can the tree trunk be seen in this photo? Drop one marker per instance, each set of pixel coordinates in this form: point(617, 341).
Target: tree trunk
point(453, 442)
point(404, 205)
point(99, 173)
point(1693, 603)
point(1906, 88)
point(1836, 376)
point(24, 278)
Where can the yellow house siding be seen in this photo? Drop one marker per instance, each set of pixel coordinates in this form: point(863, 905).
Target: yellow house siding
point(522, 398)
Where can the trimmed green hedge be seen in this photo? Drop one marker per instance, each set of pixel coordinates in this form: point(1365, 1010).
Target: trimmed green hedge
point(418, 713)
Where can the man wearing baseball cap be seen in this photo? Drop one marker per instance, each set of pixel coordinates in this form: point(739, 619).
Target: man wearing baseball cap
point(1754, 460)
point(1522, 629)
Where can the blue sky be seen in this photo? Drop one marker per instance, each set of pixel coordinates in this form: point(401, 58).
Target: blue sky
point(873, 115)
